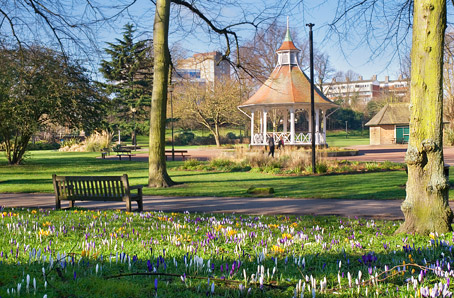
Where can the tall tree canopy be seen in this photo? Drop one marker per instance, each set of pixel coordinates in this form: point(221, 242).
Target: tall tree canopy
point(38, 87)
point(129, 74)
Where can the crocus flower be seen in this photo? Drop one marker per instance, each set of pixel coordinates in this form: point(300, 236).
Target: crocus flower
point(150, 268)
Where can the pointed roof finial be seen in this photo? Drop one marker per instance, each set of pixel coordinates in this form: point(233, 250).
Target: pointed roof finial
point(287, 35)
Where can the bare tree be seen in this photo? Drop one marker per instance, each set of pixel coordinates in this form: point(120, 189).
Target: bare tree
point(69, 26)
point(323, 69)
point(209, 106)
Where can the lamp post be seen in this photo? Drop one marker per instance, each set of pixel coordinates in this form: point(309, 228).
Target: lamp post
point(134, 138)
point(311, 50)
point(171, 119)
point(346, 129)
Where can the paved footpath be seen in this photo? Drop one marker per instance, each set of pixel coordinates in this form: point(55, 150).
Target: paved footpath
point(389, 209)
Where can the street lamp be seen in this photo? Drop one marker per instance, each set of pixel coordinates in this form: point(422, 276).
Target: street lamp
point(346, 129)
point(311, 55)
point(134, 139)
point(170, 89)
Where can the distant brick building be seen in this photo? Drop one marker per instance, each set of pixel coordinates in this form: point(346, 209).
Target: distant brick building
point(202, 68)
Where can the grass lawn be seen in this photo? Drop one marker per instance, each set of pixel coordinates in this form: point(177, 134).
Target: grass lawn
point(339, 138)
point(82, 253)
point(35, 176)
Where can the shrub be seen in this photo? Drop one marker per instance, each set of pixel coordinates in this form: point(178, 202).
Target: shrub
point(206, 140)
point(287, 162)
point(184, 138)
point(321, 168)
point(97, 141)
point(372, 166)
point(94, 143)
point(43, 145)
point(191, 162)
point(221, 163)
point(230, 135)
point(70, 142)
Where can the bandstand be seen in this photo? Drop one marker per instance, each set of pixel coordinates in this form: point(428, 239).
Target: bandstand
point(284, 94)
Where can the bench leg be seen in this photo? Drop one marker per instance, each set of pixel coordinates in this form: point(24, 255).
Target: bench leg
point(140, 204)
point(129, 157)
point(57, 204)
point(119, 156)
point(71, 204)
point(128, 204)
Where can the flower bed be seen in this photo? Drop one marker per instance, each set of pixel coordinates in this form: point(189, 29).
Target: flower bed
point(114, 253)
point(287, 163)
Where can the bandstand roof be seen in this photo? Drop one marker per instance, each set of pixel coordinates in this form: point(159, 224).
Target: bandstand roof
point(288, 86)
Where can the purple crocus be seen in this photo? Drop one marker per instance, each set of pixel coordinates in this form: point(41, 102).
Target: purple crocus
point(150, 268)
point(156, 284)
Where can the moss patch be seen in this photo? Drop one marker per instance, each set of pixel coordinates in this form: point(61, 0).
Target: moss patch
point(260, 190)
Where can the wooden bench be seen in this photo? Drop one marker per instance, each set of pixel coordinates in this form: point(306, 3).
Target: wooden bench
point(183, 153)
point(95, 188)
point(123, 152)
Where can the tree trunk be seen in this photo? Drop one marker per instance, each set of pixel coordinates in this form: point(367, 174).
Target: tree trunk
point(426, 207)
point(157, 171)
point(217, 137)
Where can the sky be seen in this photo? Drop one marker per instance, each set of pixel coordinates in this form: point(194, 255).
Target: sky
point(347, 52)
point(365, 50)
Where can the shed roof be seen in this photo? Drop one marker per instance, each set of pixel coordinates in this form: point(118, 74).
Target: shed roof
point(392, 113)
point(287, 84)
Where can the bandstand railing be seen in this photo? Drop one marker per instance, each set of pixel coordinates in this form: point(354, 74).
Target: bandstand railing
point(300, 138)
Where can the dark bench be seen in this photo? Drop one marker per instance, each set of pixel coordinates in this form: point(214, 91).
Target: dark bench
point(183, 153)
point(95, 188)
point(123, 152)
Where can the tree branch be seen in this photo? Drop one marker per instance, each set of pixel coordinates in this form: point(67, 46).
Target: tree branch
point(11, 24)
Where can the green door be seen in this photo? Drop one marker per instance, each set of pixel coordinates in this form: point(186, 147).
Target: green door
point(402, 134)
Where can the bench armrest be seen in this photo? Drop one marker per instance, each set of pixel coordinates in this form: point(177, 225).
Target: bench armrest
point(136, 187)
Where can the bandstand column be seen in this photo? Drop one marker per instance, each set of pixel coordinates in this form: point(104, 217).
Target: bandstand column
point(285, 121)
point(252, 127)
point(292, 126)
point(317, 126)
point(264, 125)
point(309, 120)
point(324, 126)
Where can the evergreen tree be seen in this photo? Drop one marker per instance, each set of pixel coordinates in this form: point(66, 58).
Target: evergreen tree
point(129, 76)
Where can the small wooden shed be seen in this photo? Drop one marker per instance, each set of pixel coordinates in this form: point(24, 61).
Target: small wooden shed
point(390, 125)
